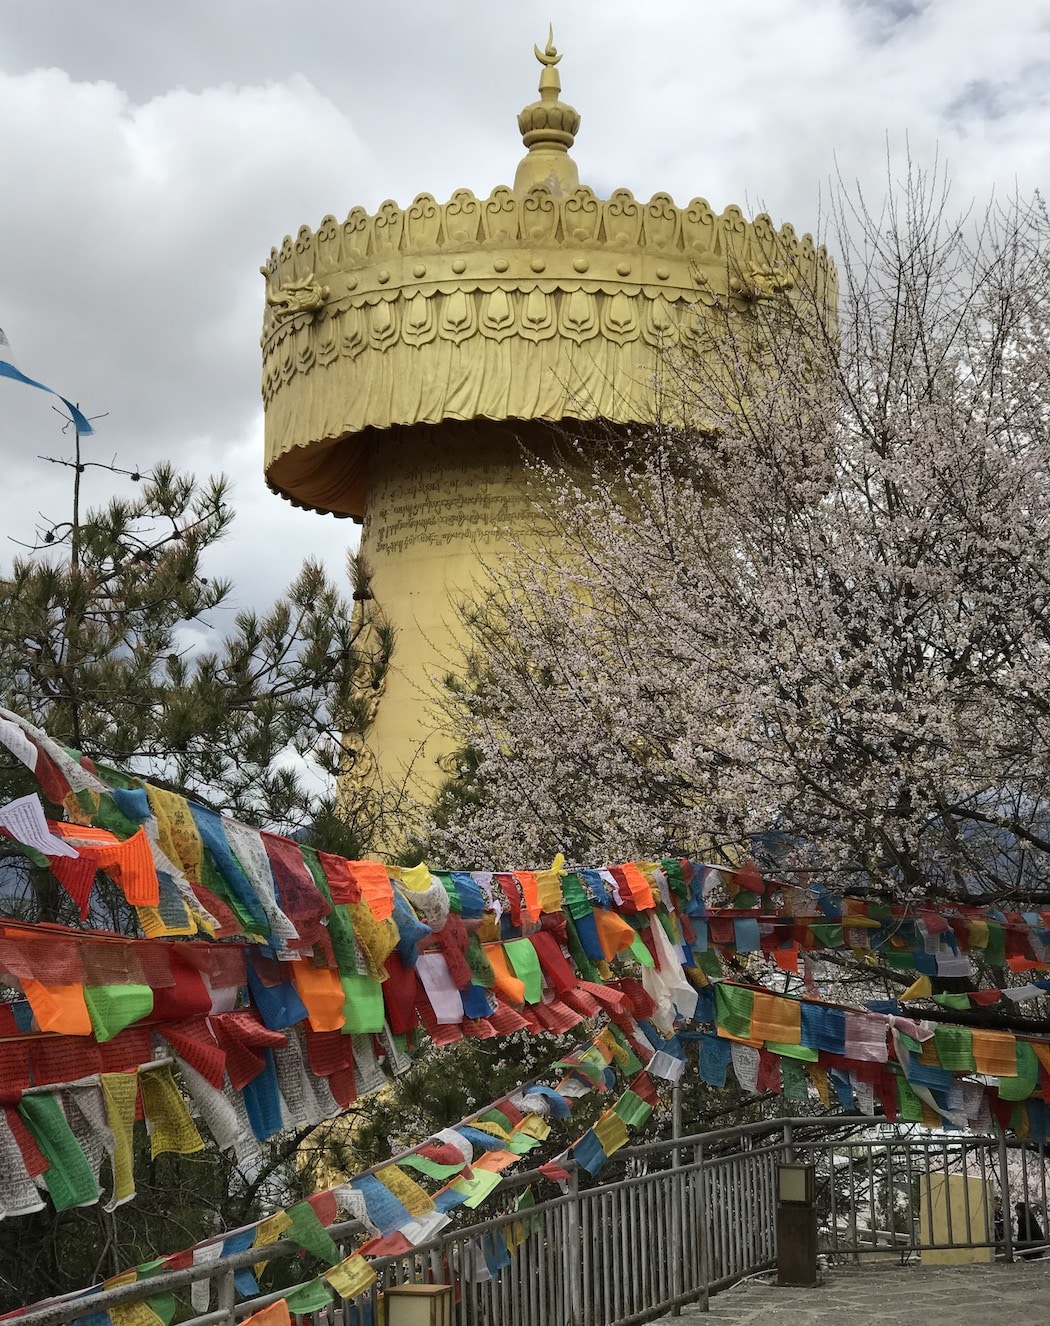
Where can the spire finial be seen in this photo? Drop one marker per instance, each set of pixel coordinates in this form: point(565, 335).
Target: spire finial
point(551, 55)
point(548, 129)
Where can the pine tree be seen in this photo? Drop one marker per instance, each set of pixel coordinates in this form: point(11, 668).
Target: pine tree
point(116, 641)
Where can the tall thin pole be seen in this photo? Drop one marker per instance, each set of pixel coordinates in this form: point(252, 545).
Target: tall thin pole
point(74, 540)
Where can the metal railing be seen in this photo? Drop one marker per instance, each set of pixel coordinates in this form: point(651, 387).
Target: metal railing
point(668, 1224)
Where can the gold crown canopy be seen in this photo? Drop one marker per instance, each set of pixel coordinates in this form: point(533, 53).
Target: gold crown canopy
point(542, 302)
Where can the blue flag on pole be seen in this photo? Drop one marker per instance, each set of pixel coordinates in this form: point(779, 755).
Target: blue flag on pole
point(8, 370)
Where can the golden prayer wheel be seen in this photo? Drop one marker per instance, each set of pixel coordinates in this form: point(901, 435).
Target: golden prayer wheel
point(411, 355)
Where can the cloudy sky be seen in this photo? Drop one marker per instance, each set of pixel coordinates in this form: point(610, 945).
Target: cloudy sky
point(154, 151)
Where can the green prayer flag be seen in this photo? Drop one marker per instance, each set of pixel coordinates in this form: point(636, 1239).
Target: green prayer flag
point(164, 1306)
point(450, 889)
point(341, 933)
point(480, 968)
point(827, 934)
point(520, 1143)
point(497, 1117)
point(995, 953)
point(640, 953)
point(313, 864)
point(576, 1064)
point(431, 1167)
point(69, 1179)
point(733, 1008)
point(1021, 1086)
point(795, 1085)
point(803, 1052)
point(526, 1200)
point(583, 964)
point(477, 1188)
point(108, 815)
point(574, 895)
point(632, 1109)
point(306, 1230)
point(114, 1007)
point(675, 879)
point(309, 1297)
point(665, 918)
point(33, 854)
point(954, 1048)
point(525, 964)
point(952, 1001)
point(909, 1106)
point(709, 962)
point(213, 879)
point(362, 1003)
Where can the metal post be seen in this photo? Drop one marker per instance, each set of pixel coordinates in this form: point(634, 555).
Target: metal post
point(677, 1248)
point(573, 1261)
point(1004, 1188)
point(703, 1207)
point(227, 1293)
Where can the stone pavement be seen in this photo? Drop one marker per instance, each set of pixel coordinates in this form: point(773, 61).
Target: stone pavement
point(887, 1294)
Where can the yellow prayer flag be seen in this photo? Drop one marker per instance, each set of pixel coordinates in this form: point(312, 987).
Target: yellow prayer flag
point(119, 1091)
point(476, 1189)
point(548, 884)
point(270, 1230)
point(154, 926)
point(134, 1314)
point(266, 1232)
point(168, 1117)
point(920, 989)
point(596, 1055)
point(978, 933)
point(819, 1079)
point(489, 930)
point(534, 1126)
point(416, 878)
point(416, 1200)
point(351, 1277)
point(496, 1129)
point(929, 1054)
point(611, 1132)
point(178, 834)
point(610, 1043)
point(930, 1117)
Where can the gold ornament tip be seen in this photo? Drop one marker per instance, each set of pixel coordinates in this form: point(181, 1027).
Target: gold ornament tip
point(550, 55)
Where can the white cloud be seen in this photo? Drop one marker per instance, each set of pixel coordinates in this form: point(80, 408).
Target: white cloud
point(155, 153)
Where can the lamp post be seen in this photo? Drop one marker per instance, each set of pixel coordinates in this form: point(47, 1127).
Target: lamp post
point(796, 1225)
point(418, 1305)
